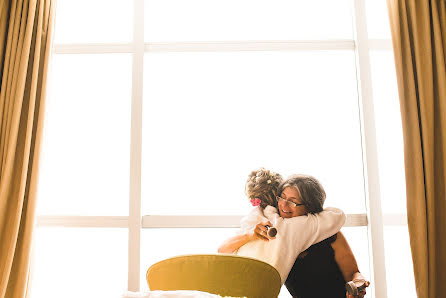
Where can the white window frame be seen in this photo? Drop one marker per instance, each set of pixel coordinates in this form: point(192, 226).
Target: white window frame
point(373, 219)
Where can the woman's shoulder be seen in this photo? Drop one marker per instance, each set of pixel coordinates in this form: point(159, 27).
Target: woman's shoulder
point(332, 238)
point(323, 246)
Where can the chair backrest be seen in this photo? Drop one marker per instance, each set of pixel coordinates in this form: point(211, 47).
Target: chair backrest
point(224, 275)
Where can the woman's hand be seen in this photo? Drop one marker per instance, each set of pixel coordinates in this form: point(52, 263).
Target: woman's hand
point(359, 280)
point(260, 231)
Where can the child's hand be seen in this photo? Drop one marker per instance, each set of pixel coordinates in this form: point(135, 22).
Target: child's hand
point(260, 231)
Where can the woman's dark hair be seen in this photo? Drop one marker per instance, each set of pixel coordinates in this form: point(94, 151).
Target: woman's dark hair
point(263, 184)
point(310, 190)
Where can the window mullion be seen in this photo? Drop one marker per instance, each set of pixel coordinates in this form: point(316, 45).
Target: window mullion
point(369, 148)
point(259, 45)
point(216, 46)
point(220, 221)
point(82, 221)
point(135, 150)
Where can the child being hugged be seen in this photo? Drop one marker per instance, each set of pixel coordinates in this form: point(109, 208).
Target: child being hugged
point(295, 233)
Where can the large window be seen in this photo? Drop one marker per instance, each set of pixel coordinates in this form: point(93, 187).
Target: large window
point(159, 109)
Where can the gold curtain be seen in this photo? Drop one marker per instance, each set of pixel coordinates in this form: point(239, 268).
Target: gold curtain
point(25, 45)
point(419, 42)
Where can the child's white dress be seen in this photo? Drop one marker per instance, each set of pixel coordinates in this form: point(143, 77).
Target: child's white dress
point(294, 235)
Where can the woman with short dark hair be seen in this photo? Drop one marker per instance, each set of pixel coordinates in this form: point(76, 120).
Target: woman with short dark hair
point(322, 270)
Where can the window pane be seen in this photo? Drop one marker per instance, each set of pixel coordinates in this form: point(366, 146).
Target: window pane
point(399, 267)
point(80, 262)
point(377, 19)
point(86, 151)
point(206, 20)
point(160, 244)
point(230, 113)
point(97, 21)
point(389, 135)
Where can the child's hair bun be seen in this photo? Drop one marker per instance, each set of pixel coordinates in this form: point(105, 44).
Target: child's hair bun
point(263, 184)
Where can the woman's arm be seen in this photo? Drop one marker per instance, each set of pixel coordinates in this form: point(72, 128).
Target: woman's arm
point(234, 243)
point(346, 260)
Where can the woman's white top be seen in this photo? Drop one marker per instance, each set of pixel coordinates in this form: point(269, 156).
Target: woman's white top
point(294, 235)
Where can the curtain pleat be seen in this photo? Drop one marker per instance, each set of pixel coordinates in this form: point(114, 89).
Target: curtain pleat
point(25, 57)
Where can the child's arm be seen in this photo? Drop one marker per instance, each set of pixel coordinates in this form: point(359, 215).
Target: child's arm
point(328, 223)
point(252, 227)
point(303, 231)
point(232, 244)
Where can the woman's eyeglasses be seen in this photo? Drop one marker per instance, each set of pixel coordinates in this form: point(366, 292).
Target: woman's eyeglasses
point(289, 203)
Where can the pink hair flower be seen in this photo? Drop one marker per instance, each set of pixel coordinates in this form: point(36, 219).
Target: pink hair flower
point(255, 202)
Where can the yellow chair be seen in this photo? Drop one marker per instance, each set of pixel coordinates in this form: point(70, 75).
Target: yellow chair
point(224, 275)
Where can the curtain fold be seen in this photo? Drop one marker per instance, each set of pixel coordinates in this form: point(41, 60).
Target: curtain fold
point(25, 46)
point(419, 42)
